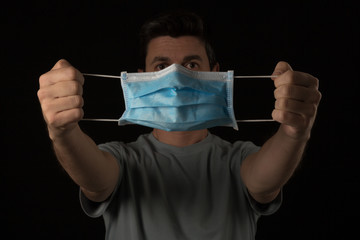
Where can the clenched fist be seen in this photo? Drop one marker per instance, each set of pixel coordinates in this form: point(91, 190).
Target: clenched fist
point(297, 99)
point(60, 96)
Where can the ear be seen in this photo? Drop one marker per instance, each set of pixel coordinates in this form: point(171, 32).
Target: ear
point(216, 68)
point(140, 70)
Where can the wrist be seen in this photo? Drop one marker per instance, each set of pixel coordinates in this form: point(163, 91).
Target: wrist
point(294, 134)
point(63, 134)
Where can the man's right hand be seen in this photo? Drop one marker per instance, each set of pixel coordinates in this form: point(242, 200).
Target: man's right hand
point(60, 96)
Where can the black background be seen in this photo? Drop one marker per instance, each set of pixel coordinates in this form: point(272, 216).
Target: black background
point(39, 200)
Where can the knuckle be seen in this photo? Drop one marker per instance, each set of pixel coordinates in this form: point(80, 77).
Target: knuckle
point(281, 103)
point(51, 119)
point(276, 105)
point(71, 72)
point(78, 114)
point(41, 94)
point(276, 92)
point(306, 122)
point(75, 87)
point(291, 75)
point(77, 101)
point(316, 82)
point(283, 91)
point(313, 109)
point(315, 97)
point(81, 101)
point(45, 107)
point(278, 115)
point(273, 114)
point(319, 96)
point(286, 90)
point(62, 63)
point(42, 79)
point(282, 67)
point(81, 113)
point(282, 116)
point(284, 103)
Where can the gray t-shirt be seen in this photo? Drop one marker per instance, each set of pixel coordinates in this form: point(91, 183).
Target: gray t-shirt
point(168, 192)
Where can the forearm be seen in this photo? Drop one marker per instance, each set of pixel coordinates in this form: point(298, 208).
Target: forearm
point(266, 171)
point(60, 96)
point(296, 101)
point(92, 169)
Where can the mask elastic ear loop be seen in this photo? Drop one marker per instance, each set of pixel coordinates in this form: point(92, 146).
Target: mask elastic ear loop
point(260, 76)
point(118, 77)
point(117, 120)
point(101, 75)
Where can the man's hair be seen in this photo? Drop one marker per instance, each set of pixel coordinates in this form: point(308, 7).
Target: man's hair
point(175, 24)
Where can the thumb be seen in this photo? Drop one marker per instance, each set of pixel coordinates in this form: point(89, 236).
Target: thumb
point(281, 67)
point(61, 64)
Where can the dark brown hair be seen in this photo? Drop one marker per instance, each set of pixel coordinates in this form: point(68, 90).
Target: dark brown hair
point(174, 24)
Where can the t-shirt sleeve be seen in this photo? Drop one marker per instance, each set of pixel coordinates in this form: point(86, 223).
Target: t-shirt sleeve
point(268, 208)
point(93, 209)
point(97, 209)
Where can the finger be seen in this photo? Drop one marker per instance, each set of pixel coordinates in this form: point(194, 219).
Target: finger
point(297, 78)
point(280, 68)
point(64, 118)
point(62, 104)
point(298, 93)
point(65, 73)
point(297, 107)
point(60, 89)
point(289, 118)
point(61, 64)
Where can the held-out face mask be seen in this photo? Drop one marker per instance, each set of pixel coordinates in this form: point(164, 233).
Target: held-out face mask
point(178, 99)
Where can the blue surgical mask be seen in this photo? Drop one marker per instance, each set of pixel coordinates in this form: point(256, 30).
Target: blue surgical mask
point(178, 99)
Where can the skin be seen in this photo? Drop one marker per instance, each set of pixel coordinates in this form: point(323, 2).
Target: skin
point(97, 172)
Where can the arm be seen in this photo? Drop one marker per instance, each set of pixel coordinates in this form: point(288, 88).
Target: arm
point(60, 96)
point(297, 98)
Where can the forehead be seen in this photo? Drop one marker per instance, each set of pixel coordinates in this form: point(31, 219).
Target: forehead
point(175, 47)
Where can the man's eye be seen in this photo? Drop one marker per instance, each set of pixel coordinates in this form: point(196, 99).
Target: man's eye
point(192, 65)
point(161, 66)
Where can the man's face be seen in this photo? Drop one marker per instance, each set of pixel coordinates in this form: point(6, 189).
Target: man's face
point(187, 51)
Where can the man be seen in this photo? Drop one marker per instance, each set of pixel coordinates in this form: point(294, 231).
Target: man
point(179, 184)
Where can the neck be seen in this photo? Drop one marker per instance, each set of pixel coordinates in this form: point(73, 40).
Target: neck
point(180, 138)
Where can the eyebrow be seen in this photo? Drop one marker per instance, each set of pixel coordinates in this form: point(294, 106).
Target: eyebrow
point(192, 57)
point(167, 59)
point(160, 59)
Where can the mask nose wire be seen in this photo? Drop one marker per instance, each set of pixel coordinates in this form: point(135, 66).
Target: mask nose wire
point(118, 77)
